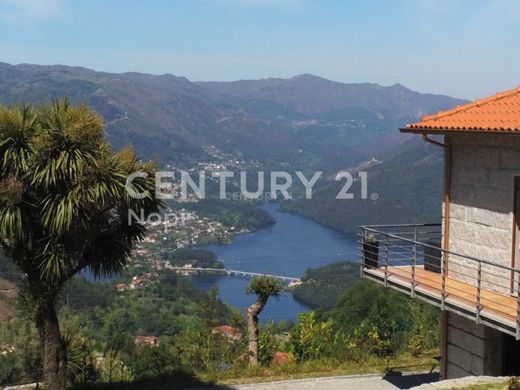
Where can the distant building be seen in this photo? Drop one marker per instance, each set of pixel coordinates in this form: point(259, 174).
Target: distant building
point(152, 341)
point(136, 283)
point(294, 283)
point(233, 334)
point(141, 281)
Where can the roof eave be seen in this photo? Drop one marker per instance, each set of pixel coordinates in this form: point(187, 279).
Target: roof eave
point(422, 130)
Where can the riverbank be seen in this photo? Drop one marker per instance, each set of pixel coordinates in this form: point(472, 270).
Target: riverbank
point(290, 247)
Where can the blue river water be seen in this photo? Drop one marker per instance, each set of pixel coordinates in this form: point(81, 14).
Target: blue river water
point(289, 247)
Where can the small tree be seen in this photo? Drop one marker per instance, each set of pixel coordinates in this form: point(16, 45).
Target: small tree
point(64, 207)
point(264, 287)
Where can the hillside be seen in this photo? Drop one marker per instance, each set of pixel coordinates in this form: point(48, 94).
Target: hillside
point(8, 295)
point(322, 286)
point(315, 96)
point(304, 121)
point(408, 187)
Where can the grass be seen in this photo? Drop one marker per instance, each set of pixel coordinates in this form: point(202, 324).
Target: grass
point(245, 375)
point(8, 293)
point(324, 368)
point(492, 386)
point(6, 284)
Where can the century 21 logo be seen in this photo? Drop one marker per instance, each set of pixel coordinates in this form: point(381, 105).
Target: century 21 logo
point(344, 191)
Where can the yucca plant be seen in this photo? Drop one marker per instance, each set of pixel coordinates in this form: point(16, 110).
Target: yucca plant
point(64, 207)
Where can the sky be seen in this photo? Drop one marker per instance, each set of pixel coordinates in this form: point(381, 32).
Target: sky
point(462, 48)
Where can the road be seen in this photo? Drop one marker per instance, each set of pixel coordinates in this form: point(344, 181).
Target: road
point(334, 383)
point(351, 382)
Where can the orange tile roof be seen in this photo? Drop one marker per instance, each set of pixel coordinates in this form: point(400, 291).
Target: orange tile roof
point(228, 331)
point(499, 113)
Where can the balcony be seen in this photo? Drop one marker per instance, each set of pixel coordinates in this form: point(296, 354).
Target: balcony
point(409, 258)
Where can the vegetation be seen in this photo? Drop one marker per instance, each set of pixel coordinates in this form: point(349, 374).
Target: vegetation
point(322, 286)
point(406, 188)
point(384, 321)
point(237, 214)
point(63, 208)
point(196, 257)
point(99, 326)
point(61, 202)
point(379, 319)
point(384, 330)
point(513, 383)
point(491, 386)
point(369, 329)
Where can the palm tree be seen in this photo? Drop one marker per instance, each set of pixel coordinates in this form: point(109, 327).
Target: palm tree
point(264, 287)
point(64, 207)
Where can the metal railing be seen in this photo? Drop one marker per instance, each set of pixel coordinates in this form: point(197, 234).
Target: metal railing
point(411, 258)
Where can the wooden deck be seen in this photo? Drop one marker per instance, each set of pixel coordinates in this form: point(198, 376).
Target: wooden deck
point(496, 309)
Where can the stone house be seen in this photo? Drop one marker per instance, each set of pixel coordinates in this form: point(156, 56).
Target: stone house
point(468, 265)
point(152, 341)
point(228, 331)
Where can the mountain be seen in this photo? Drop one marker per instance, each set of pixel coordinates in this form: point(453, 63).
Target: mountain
point(314, 96)
point(304, 121)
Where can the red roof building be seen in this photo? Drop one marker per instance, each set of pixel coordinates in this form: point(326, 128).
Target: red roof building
point(228, 331)
point(148, 340)
point(496, 114)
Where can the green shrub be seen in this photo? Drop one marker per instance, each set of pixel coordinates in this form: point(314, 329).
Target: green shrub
point(513, 383)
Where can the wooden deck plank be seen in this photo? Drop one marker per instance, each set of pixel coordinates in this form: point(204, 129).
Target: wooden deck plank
point(502, 306)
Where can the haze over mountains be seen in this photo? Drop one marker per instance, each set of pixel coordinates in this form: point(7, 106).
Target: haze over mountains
point(302, 121)
point(305, 122)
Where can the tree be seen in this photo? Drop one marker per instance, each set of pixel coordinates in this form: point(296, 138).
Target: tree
point(264, 287)
point(64, 207)
point(312, 338)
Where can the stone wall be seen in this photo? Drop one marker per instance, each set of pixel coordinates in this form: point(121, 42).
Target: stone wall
point(481, 212)
point(471, 349)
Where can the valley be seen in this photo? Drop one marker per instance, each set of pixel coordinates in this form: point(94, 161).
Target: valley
point(304, 123)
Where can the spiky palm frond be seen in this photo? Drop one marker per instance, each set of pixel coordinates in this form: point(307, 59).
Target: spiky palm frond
point(17, 126)
point(63, 201)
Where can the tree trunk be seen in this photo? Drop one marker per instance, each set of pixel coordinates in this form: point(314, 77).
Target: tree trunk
point(252, 330)
point(53, 347)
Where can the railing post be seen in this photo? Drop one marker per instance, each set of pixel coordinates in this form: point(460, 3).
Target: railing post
point(517, 305)
point(386, 261)
point(443, 279)
point(479, 285)
point(414, 260)
point(362, 252)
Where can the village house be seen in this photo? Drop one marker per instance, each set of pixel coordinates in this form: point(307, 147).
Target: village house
point(152, 341)
point(231, 333)
point(136, 282)
point(468, 264)
point(142, 280)
point(295, 283)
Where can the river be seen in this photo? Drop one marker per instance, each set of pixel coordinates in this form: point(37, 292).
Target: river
point(289, 247)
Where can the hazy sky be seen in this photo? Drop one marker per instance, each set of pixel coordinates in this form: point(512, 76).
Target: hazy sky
point(464, 48)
